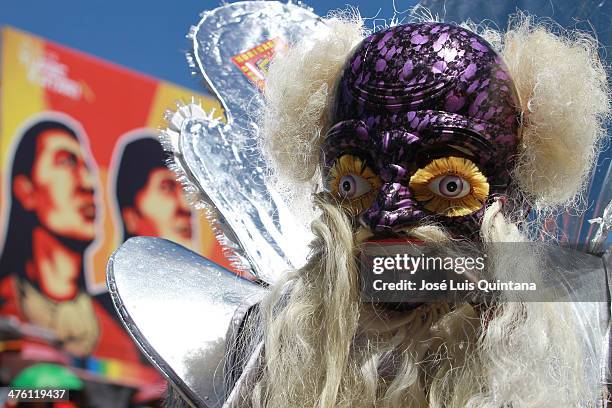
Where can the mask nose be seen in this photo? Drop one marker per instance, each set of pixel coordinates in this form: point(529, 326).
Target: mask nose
point(393, 209)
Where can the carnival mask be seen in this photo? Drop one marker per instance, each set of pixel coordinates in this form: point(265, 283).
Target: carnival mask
point(425, 129)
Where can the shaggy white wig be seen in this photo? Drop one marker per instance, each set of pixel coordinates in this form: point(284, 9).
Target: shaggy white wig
point(565, 103)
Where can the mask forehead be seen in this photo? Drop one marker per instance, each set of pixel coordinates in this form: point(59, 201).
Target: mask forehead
point(425, 67)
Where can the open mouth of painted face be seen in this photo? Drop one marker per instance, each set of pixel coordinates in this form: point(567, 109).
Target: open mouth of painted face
point(88, 211)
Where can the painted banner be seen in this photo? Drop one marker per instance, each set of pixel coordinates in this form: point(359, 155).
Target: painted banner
point(81, 171)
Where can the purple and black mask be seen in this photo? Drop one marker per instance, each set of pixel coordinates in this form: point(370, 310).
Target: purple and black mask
point(425, 128)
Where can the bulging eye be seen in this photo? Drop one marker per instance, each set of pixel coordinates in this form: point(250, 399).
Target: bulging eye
point(450, 186)
point(353, 183)
point(352, 186)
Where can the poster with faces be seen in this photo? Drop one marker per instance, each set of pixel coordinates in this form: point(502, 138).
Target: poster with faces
point(81, 171)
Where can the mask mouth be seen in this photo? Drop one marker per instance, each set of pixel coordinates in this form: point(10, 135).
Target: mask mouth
point(418, 235)
point(394, 238)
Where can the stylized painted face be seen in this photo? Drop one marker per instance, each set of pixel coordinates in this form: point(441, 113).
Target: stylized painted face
point(426, 126)
point(161, 209)
point(61, 189)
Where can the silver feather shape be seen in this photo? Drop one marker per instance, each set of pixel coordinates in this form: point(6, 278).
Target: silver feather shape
point(219, 160)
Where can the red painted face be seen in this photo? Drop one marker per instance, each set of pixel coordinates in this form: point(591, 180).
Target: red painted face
point(161, 209)
point(61, 189)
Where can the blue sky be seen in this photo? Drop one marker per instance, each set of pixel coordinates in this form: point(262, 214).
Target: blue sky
point(148, 36)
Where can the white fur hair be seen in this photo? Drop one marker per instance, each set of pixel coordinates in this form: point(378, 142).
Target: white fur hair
point(565, 103)
point(324, 348)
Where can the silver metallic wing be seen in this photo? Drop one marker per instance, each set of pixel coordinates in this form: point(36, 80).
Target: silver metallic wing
point(232, 46)
point(181, 310)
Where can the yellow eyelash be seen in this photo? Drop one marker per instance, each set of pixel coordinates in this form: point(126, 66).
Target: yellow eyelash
point(349, 164)
point(450, 166)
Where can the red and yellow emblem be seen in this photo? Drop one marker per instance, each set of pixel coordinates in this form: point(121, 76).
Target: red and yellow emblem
point(254, 63)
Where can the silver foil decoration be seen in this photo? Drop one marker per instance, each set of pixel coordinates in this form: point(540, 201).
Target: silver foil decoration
point(180, 309)
point(604, 226)
point(221, 161)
